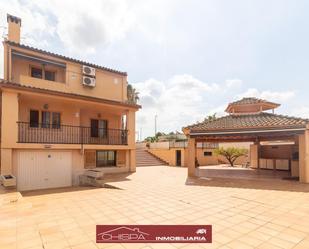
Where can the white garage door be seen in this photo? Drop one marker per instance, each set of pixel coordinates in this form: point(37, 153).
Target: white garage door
point(43, 169)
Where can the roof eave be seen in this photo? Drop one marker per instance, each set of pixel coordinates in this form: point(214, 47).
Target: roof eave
point(240, 131)
point(16, 86)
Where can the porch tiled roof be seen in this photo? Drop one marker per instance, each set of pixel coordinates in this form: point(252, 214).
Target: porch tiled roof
point(249, 121)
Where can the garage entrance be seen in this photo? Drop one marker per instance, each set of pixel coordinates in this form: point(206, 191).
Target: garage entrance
point(43, 169)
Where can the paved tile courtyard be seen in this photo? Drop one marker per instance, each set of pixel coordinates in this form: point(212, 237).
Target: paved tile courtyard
point(244, 214)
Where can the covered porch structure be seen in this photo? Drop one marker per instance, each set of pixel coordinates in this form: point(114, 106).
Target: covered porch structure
point(279, 144)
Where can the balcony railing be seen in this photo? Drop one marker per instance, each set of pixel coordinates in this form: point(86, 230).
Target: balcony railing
point(68, 134)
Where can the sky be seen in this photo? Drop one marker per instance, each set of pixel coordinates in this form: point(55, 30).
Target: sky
point(187, 58)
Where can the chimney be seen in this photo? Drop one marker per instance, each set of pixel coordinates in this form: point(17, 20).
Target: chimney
point(14, 24)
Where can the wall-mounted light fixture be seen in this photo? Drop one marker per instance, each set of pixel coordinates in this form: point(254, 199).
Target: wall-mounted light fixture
point(45, 106)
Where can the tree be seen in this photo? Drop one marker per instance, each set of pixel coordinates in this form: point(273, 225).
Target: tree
point(210, 118)
point(151, 139)
point(231, 153)
point(132, 94)
point(159, 133)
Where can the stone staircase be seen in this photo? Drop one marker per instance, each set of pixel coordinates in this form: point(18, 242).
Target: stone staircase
point(144, 158)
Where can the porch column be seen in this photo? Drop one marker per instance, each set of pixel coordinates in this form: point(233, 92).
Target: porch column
point(131, 139)
point(304, 156)
point(9, 129)
point(254, 155)
point(191, 157)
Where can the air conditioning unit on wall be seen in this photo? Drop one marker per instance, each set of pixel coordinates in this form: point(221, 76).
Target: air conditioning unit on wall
point(88, 81)
point(88, 70)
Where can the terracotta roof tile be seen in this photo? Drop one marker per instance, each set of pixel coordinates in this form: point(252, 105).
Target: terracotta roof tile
point(251, 100)
point(249, 121)
point(65, 57)
point(261, 104)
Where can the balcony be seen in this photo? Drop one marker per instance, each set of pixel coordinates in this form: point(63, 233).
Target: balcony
point(68, 134)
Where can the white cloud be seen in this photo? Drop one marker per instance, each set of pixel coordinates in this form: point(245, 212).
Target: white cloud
point(302, 112)
point(36, 27)
point(89, 24)
point(268, 95)
point(178, 101)
point(81, 26)
point(184, 99)
point(234, 83)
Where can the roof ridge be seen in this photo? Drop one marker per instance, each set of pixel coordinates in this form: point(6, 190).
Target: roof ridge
point(66, 57)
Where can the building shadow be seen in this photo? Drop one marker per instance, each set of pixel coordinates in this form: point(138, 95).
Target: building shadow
point(108, 182)
point(263, 184)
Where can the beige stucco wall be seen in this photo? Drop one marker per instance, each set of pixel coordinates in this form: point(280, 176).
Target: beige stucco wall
point(304, 156)
point(20, 105)
point(22, 69)
point(14, 31)
point(109, 85)
point(16, 104)
point(9, 118)
point(169, 155)
point(276, 151)
point(78, 163)
point(206, 160)
point(254, 155)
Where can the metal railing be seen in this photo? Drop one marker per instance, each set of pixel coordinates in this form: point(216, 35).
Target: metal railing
point(69, 134)
point(178, 144)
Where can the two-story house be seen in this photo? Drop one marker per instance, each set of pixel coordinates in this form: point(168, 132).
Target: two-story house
point(61, 116)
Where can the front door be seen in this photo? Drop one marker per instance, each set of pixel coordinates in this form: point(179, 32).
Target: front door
point(178, 157)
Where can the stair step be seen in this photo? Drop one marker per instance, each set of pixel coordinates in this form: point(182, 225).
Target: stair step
point(144, 158)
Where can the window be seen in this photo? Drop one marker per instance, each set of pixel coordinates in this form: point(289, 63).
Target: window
point(94, 127)
point(34, 118)
point(36, 72)
point(207, 153)
point(45, 119)
point(48, 119)
point(106, 158)
point(56, 120)
point(40, 72)
point(98, 128)
point(49, 75)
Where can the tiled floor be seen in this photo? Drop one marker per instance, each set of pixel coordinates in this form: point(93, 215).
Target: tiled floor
point(225, 171)
point(244, 214)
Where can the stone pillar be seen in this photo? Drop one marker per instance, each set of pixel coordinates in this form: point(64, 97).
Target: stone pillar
point(304, 156)
point(191, 157)
point(9, 129)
